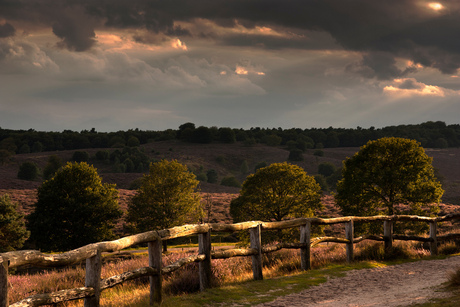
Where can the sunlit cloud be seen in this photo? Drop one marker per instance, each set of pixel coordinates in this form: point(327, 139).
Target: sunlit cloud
point(248, 69)
point(120, 42)
point(409, 87)
point(435, 6)
point(178, 44)
point(241, 70)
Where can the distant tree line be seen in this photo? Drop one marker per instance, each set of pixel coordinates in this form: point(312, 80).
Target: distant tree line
point(429, 134)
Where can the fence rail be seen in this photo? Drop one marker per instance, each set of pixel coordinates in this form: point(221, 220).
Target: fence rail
point(92, 253)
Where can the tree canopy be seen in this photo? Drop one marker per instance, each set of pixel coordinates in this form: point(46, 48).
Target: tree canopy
point(387, 172)
point(167, 198)
point(277, 192)
point(74, 208)
point(13, 231)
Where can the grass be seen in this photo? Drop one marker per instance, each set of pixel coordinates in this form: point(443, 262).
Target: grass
point(232, 278)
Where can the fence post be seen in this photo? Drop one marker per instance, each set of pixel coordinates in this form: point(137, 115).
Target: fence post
point(434, 242)
point(155, 261)
point(93, 279)
point(388, 234)
point(256, 259)
point(305, 263)
point(204, 241)
point(349, 236)
point(3, 282)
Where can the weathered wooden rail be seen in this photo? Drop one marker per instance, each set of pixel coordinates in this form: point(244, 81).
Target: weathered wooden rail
point(92, 253)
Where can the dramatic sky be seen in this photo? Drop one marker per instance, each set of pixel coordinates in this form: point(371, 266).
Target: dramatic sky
point(153, 65)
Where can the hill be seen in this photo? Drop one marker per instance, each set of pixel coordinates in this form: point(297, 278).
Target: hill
point(226, 159)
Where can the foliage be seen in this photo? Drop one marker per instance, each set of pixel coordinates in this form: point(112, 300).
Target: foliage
point(165, 199)
point(28, 171)
point(80, 156)
point(230, 181)
point(54, 163)
point(326, 169)
point(4, 156)
point(13, 231)
point(244, 168)
point(318, 153)
point(296, 155)
point(385, 173)
point(260, 165)
point(321, 180)
point(212, 176)
point(133, 141)
point(74, 208)
point(277, 192)
point(227, 135)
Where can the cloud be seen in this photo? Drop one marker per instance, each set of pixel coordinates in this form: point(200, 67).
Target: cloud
point(6, 30)
point(410, 87)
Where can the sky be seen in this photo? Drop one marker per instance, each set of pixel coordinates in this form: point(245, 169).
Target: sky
point(154, 65)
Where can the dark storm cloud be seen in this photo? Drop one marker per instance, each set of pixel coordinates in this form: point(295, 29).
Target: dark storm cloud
point(380, 65)
point(6, 30)
point(396, 28)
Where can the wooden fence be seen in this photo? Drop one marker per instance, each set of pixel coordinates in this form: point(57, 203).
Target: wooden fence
point(92, 253)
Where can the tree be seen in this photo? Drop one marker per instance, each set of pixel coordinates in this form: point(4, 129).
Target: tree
point(166, 198)
point(326, 169)
point(54, 163)
point(212, 176)
point(74, 208)
point(296, 155)
point(80, 156)
point(230, 181)
point(13, 231)
point(28, 171)
point(387, 172)
point(277, 192)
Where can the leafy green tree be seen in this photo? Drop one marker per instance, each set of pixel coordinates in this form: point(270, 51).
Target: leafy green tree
point(244, 168)
point(167, 198)
point(230, 181)
point(296, 155)
point(24, 149)
point(37, 147)
point(133, 141)
point(54, 163)
point(28, 171)
point(277, 192)
point(212, 176)
point(227, 135)
point(202, 135)
point(385, 173)
point(74, 208)
point(4, 156)
point(13, 231)
point(80, 156)
point(326, 169)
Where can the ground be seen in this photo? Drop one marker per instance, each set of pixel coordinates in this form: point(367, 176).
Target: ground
point(397, 285)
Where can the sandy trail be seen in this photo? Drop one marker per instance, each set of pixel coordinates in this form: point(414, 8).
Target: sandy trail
point(397, 285)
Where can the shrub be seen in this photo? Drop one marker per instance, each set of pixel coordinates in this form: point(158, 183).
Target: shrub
point(54, 163)
point(230, 181)
point(80, 156)
point(13, 232)
point(28, 171)
point(295, 155)
point(212, 176)
point(326, 169)
point(318, 153)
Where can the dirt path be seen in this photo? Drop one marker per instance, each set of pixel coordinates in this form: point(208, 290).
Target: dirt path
point(398, 285)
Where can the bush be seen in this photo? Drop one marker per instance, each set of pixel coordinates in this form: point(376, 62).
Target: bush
point(230, 181)
point(28, 171)
point(260, 165)
point(212, 176)
point(319, 153)
point(54, 163)
point(295, 155)
point(13, 232)
point(326, 169)
point(102, 155)
point(80, 156)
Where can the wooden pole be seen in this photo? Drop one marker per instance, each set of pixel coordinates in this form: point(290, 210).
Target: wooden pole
point(256, 259)
point(388, 235)
point(204, 241)
point(349, 236)
point(3, 282)
point(305, 236)
point(434, 242)
point(93, 279)
point(155, 261)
